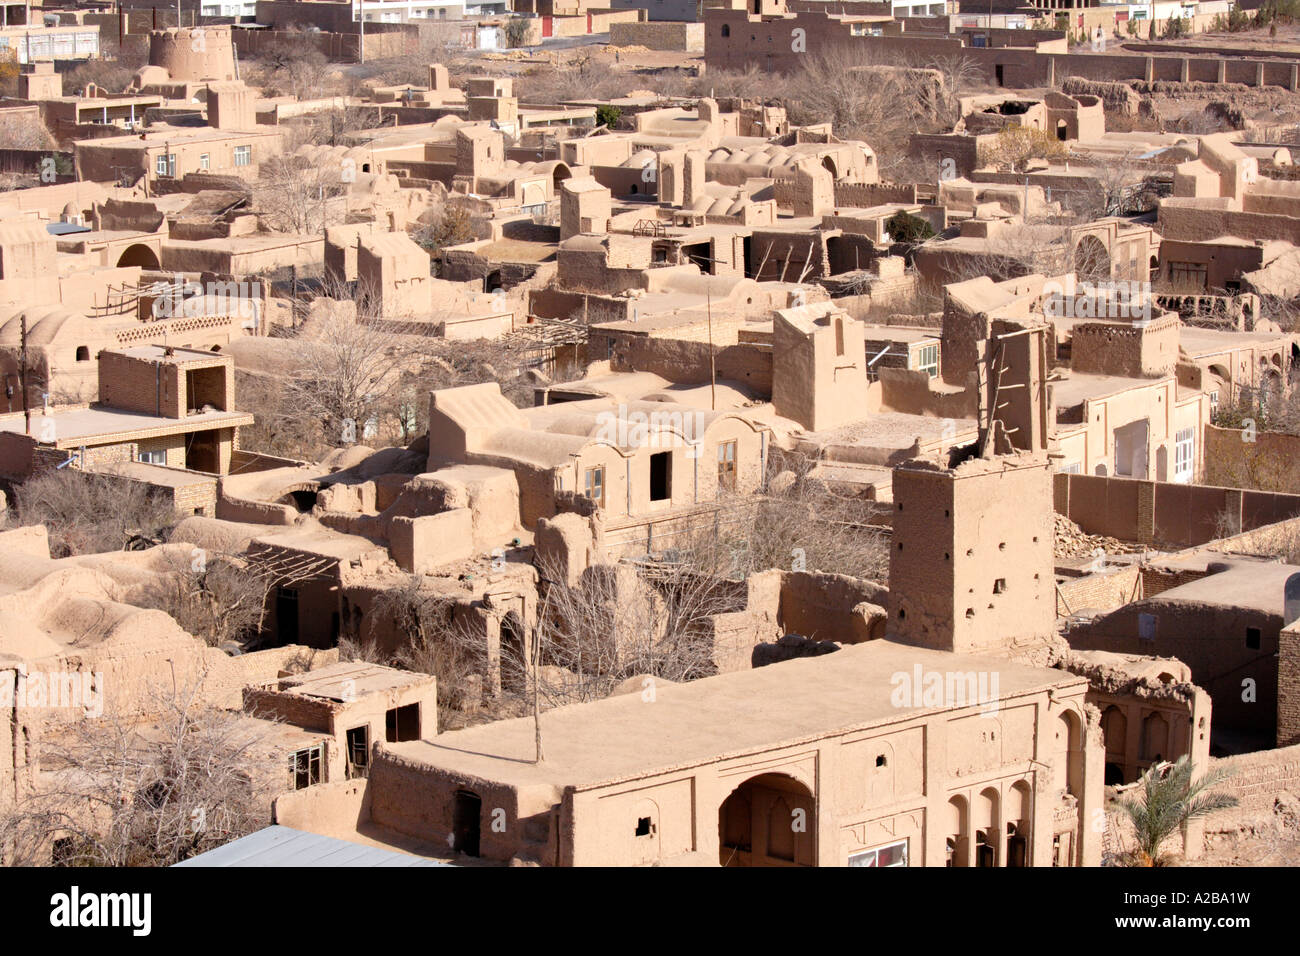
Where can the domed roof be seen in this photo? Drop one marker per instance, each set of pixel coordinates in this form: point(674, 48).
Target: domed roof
point(45, 325)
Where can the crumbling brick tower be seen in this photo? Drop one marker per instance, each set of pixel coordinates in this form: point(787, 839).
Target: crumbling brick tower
point(970, 566)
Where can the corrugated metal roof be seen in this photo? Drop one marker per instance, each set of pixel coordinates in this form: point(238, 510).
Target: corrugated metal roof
point(284, 846)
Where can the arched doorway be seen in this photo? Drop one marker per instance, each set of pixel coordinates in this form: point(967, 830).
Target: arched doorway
point(769, 820)
point(140, 255)
point(1091, 260)
point(830, 164)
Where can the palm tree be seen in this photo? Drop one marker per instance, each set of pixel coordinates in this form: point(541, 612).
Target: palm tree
point(1168, 798)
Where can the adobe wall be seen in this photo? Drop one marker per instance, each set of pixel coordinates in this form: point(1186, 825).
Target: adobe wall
point(18, 742)
point(1165, 513)
point(687, 362)
point(418, 800)
point(659, 35)
point(1257, 779)
point(912, 392)
point(1211, 640)
point(971, 554)
point(772, 45)
point(1200, 221)
point(335, 809)
point(832, 607)
point(1110, 348)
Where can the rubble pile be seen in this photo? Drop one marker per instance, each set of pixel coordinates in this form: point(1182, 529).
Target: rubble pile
point(1073, 542)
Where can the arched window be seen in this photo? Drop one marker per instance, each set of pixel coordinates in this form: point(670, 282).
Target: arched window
point(726, 30)
point(83, 353)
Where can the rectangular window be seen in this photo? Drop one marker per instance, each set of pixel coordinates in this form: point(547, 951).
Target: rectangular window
point(205, 162)
point(1184, 454)
point(927, 360)
point(402, 723)
point(304, 768)
point(661, 476)
point(1146, 627)
point(358, 750)
point(156, 456)
point(893, 854)
point(243, 155)
point(1073, 468)
point(594, 485)
point(727, 466)
point(1253, 635)
point(165, 164)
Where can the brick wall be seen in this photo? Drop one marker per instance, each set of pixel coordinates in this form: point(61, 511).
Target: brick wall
point(1102, 591)
point(1257, 778)
point(1288, 686)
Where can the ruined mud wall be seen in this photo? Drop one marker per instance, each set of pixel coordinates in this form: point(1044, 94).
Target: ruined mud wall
point(1258, 778)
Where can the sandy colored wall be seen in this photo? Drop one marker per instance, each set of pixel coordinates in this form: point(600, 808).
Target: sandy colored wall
point(660, 35)
point(1165, 512)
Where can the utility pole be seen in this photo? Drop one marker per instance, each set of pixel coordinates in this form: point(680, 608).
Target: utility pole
point(713, 369)
point(22, 372)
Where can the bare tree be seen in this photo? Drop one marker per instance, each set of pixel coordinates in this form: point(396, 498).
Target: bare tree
point(438, 641)
point(1014, 146)
point(650, 619)
point(88, 513)
point(298, 194)
point(959, 72)
point(222, 598)
point(348, 374)
point(130, 792)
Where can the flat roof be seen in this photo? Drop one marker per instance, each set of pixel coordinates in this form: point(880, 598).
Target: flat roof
point(101, 426)
point(702, 721)
point(1082, 386)
point(156, 474)
point(1198, 342)
point(1254, 585)
point(348, 680)
point(283, 846)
